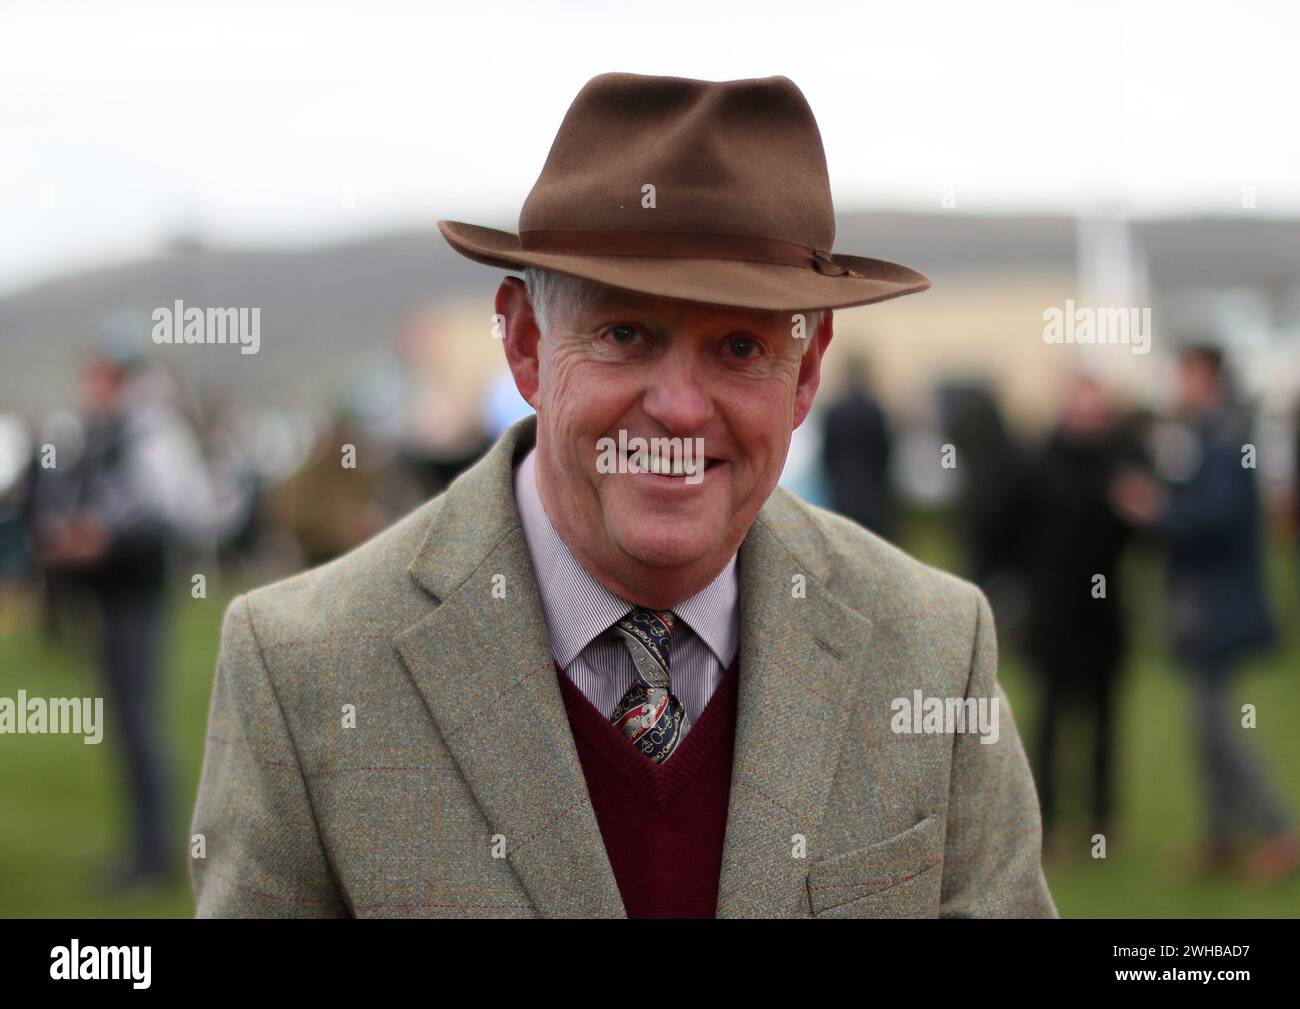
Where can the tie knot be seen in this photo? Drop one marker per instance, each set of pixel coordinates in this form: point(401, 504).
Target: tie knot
point(652, 629)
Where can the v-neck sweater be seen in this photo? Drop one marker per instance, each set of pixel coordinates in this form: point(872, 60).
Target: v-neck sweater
point(663, 824)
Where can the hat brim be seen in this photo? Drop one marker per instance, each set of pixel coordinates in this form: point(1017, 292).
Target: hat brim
point(734, 283)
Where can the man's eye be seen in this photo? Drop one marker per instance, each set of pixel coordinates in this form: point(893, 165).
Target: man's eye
point(623, 334)
point(742, 346)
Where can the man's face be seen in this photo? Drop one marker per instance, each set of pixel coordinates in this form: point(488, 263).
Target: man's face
point(658, 368)
point(1199, 386)
point(1088, 413)
point(101, 388)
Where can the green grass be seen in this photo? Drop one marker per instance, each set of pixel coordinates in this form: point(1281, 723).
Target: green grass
point(61, 816)
point(60, 811)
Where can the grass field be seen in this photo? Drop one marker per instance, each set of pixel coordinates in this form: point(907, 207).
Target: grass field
point(60, 814)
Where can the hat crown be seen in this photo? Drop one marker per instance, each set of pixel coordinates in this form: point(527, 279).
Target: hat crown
point(724, 157)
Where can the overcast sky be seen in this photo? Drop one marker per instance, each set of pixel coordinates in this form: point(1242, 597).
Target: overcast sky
point(121, 124)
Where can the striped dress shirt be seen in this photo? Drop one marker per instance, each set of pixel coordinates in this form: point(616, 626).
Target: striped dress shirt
point(579, 610)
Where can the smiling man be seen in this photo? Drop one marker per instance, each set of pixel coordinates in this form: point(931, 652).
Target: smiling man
point(733, 381)
point(652, 689)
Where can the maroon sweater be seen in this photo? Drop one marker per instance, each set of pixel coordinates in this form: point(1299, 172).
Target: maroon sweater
point(663, 824)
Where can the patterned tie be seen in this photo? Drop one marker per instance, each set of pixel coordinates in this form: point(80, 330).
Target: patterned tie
point(649, 715)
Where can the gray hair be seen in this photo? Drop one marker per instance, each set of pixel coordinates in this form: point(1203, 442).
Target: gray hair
point(558, 295)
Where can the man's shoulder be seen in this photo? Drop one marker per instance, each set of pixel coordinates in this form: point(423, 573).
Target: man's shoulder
point(368, 590)
point(864, 571)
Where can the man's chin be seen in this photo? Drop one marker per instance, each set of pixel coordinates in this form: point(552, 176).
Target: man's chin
point(668, 553)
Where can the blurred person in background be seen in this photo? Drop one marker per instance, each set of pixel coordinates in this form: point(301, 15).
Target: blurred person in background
point(105, 523)
point(990, 466)
point(238, 490)
point(1074, 540)
point(440, 423)
point(337, 499)
point(1295, 480)
point(17, 567)
point(1218, 612)
point(855, 452)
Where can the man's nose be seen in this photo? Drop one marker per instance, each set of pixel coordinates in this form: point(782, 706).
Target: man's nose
point(679, 396)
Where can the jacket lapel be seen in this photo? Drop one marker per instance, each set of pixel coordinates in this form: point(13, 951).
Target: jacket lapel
point(801, 662)
point(482, 663)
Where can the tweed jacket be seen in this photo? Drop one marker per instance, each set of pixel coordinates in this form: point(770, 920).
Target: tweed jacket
point(387, 735)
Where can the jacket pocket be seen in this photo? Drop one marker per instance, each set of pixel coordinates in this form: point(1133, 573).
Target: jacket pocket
point(895, 878)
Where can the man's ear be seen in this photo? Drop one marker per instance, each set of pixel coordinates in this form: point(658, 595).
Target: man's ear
point(810, 368)
point(522, 338)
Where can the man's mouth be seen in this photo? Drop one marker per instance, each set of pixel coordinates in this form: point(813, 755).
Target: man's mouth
point(643, 461)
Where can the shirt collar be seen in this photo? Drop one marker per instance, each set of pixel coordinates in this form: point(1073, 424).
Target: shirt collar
point(579, 609)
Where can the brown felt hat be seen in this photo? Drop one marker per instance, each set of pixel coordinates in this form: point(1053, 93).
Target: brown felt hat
point(708, 191)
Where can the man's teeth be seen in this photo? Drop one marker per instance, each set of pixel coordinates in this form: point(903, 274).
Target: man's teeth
point(644, 462)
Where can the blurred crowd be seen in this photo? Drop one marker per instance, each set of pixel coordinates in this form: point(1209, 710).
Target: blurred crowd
point(1045, 526)
point(138, 487)
point(113, 507)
